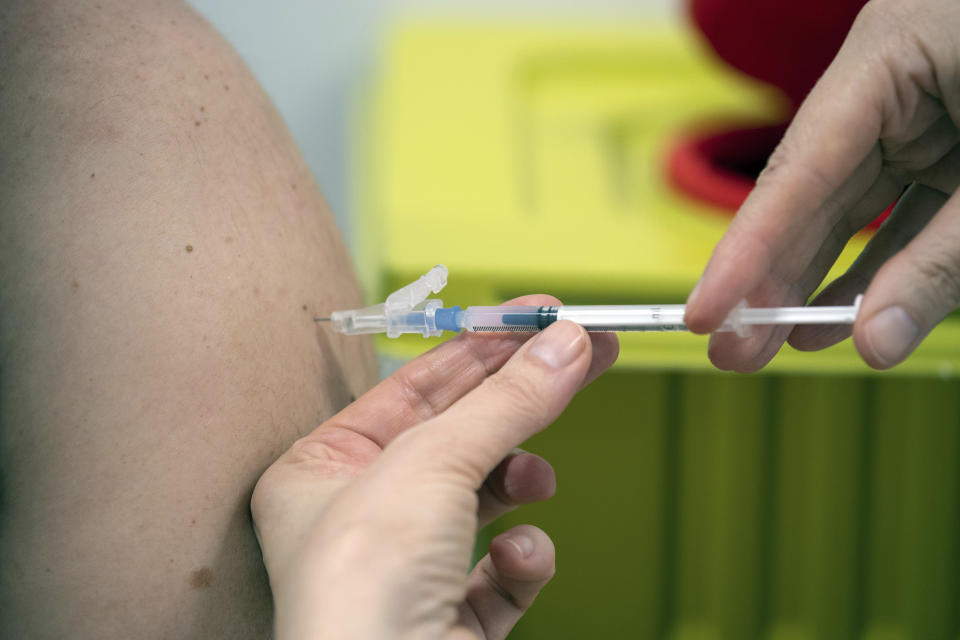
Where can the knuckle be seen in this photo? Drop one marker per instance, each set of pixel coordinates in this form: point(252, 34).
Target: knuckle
point(413, 389)
point(505, 594)
point(940, 271)
point(777, 161)
point(785, 162)
point(909, 161)
point(883, 14)
point(893, 29)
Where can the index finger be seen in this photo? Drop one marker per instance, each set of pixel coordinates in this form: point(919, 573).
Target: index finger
point(822, 165)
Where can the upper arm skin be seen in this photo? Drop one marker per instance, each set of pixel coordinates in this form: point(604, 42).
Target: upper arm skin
point(163, 250)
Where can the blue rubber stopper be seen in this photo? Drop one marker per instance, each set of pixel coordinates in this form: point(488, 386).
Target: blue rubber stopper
point(447, 319)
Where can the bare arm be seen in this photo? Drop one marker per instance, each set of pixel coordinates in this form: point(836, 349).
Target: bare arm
point(163, 250)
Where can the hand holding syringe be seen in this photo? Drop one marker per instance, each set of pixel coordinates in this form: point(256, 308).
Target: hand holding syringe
point(407, 310)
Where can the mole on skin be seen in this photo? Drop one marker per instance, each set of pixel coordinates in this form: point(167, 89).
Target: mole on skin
point(201, 578)
point(189, 248)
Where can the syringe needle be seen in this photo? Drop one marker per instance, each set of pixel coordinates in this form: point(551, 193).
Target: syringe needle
point(321, 319)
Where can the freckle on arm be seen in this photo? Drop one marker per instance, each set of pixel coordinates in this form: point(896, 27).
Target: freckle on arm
point(201, 578)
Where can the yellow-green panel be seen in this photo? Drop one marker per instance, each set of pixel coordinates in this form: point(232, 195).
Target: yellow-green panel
point(605, 518)
point(817, 520)
point(912, 588)
point(721, 502)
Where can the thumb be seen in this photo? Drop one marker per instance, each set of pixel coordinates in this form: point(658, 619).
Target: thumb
point(527, 394)
point(912, 292)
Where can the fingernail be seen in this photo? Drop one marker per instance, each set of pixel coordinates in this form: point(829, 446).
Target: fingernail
point(559, 344)
point(521, 543)
point(890, 334)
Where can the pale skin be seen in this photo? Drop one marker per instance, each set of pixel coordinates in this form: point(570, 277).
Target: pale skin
point(163, 252)
point(884, 116)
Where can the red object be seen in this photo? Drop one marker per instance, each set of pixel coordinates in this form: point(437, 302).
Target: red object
point(786, 44)
point(720, 168)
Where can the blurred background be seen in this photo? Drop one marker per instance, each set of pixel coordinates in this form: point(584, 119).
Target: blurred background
point(315, 58)
point(596, 150)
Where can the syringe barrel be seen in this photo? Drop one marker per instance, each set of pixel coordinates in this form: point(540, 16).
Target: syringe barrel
point(664, 317)
point(508, 318)
point(590, 317)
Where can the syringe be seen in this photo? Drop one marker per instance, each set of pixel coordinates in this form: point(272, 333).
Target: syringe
point(407, 311)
